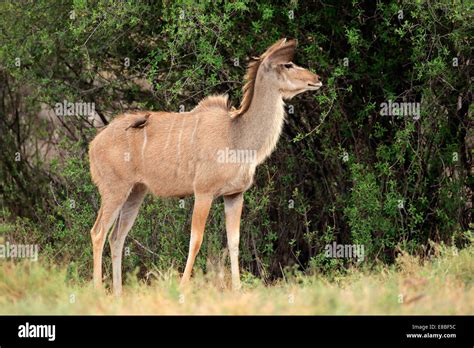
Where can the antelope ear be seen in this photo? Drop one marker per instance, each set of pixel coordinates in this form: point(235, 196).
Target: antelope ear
point(282, 51)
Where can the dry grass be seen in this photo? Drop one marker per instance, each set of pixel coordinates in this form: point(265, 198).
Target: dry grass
point(443, 285)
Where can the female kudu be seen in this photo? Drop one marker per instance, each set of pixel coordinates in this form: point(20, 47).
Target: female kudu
point(180, 154)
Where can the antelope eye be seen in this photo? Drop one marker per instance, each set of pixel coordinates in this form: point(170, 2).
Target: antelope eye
point(288, 66)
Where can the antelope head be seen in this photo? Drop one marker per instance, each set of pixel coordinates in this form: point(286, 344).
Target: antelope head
point(281, 73)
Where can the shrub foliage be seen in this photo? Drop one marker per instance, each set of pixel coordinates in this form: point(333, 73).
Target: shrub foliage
point(342, 171)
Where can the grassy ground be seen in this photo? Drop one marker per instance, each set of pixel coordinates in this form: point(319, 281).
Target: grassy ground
point(443, 285)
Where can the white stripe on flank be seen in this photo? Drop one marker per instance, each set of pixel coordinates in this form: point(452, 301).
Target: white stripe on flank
point(179, 137)
point(169, 133)
point(194, 130)
point(145, 138)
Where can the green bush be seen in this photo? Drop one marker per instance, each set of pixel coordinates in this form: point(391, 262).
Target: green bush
point(342, 172)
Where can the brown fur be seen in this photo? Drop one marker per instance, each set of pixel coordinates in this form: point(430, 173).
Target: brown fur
point(177, 154)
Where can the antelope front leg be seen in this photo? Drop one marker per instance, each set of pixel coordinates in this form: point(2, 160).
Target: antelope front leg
point(233, 211)
point(202, 204)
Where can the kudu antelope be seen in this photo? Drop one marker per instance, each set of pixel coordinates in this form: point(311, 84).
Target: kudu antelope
point(179, 154)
